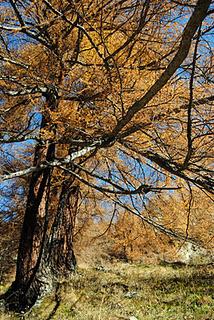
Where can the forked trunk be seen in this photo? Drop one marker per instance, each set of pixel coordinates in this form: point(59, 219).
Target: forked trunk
point(45, 249)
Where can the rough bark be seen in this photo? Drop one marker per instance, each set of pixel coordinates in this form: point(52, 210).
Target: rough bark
point(45, 250)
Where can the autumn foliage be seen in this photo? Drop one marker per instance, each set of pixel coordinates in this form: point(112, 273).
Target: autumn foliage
point(105, 123)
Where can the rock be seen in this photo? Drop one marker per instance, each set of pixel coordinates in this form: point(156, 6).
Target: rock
point(101, 268)
point(130, 294)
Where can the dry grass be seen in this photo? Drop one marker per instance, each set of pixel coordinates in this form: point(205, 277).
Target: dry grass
point(124, 291)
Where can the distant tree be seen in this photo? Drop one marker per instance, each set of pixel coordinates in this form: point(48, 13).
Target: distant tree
point(112, 95)
point(188, 214)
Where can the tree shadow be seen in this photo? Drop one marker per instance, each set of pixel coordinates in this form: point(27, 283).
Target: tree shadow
point(57, 300)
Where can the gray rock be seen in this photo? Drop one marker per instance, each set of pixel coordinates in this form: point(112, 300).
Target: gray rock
point(130, 294)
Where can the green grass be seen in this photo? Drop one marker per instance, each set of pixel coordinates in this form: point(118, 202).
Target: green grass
point(125, 291)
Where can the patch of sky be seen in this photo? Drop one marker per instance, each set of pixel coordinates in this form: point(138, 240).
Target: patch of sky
point(129, 173)
point(134, 174)
point(17, 40)
point(9, 193)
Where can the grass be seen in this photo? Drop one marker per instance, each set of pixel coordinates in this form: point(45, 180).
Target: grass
point(132, 292)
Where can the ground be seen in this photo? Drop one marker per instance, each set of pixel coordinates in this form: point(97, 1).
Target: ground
point(130, 292)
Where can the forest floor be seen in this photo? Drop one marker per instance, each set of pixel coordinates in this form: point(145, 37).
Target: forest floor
point(130, 292)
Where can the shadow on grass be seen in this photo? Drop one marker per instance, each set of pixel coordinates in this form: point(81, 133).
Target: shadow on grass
point(57, 300)
point(201, 280)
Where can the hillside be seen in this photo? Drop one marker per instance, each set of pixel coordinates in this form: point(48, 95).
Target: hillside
point(130, 292)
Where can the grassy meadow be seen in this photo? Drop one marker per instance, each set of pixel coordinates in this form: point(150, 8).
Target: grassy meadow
point(130, 292)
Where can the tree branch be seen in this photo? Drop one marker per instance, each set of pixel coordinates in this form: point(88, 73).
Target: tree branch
point(55, 163)
point(174, 168)
point(194, 22)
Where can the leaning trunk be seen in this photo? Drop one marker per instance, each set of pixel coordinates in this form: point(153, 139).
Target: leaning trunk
point(45, 250)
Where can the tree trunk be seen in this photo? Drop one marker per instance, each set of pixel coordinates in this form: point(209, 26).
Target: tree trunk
point(45, 250)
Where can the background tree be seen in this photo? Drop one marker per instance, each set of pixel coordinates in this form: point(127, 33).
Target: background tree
point(183, 212)
point(101, 90)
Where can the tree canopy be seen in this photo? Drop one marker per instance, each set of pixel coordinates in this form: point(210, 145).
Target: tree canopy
point(104, 101)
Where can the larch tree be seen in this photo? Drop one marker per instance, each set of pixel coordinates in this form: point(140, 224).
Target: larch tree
point(113, 96)
point(185, 212)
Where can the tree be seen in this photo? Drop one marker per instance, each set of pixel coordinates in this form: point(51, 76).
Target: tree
point(185, 212)
point(101, 90)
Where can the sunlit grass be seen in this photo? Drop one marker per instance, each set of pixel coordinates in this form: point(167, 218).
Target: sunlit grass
point(127, 291)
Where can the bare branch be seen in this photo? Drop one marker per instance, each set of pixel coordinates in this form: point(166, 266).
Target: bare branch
point(26, 91)
point(174, 168)
point(12, 61)
point(42, 166)
point(161, 228)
